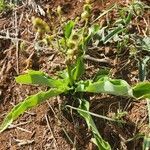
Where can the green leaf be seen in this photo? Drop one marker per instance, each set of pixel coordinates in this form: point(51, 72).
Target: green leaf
point(147, 96)
point(29, 102)
point(142, 90)
point(98, 140)
point(68, 28)
point(3, 5)
point(34, 77)
point(106, 85)
point(79, 69)
point(39, 78)
point(112, 34)
point(128, 19)
point(63, 74)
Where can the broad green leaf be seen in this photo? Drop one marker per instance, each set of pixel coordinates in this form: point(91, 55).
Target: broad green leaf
point(75, 71)
point(34, 77)
point(40, 78)
point(63, 74)
point(29, 102)
point(112, 34)
point(68, 28)
point(69, 70)
point(106, 85)
point(98, 140)
point(147, 96)
point(142, 90)
point(79, 69)
point(81, 85)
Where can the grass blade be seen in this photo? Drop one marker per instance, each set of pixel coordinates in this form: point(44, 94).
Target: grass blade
point(112, 34)
point(104, 13)
point(98, 140)
point(95, 115)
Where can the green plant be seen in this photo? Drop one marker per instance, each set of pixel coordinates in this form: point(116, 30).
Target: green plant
point(2, 5)
point(7, 6)
point(73, 44)
point(63, 85)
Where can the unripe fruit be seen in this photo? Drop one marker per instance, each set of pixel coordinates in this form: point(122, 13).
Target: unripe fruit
point(70, 52)
point(75, 37)
point(40, 25)
point(71, 45)
point(87, 8)
point(85, 15)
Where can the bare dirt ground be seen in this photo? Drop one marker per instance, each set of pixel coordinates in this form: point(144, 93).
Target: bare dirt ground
point(45, 127)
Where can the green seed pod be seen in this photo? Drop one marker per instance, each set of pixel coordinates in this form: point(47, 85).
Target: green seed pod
point(87, 7)
point(75, 37)
point(71, 44)
point(40, 25)
point(85, 15)
point(23, 46)
point(77, 19)
point(48, 39)
point(70, 52)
